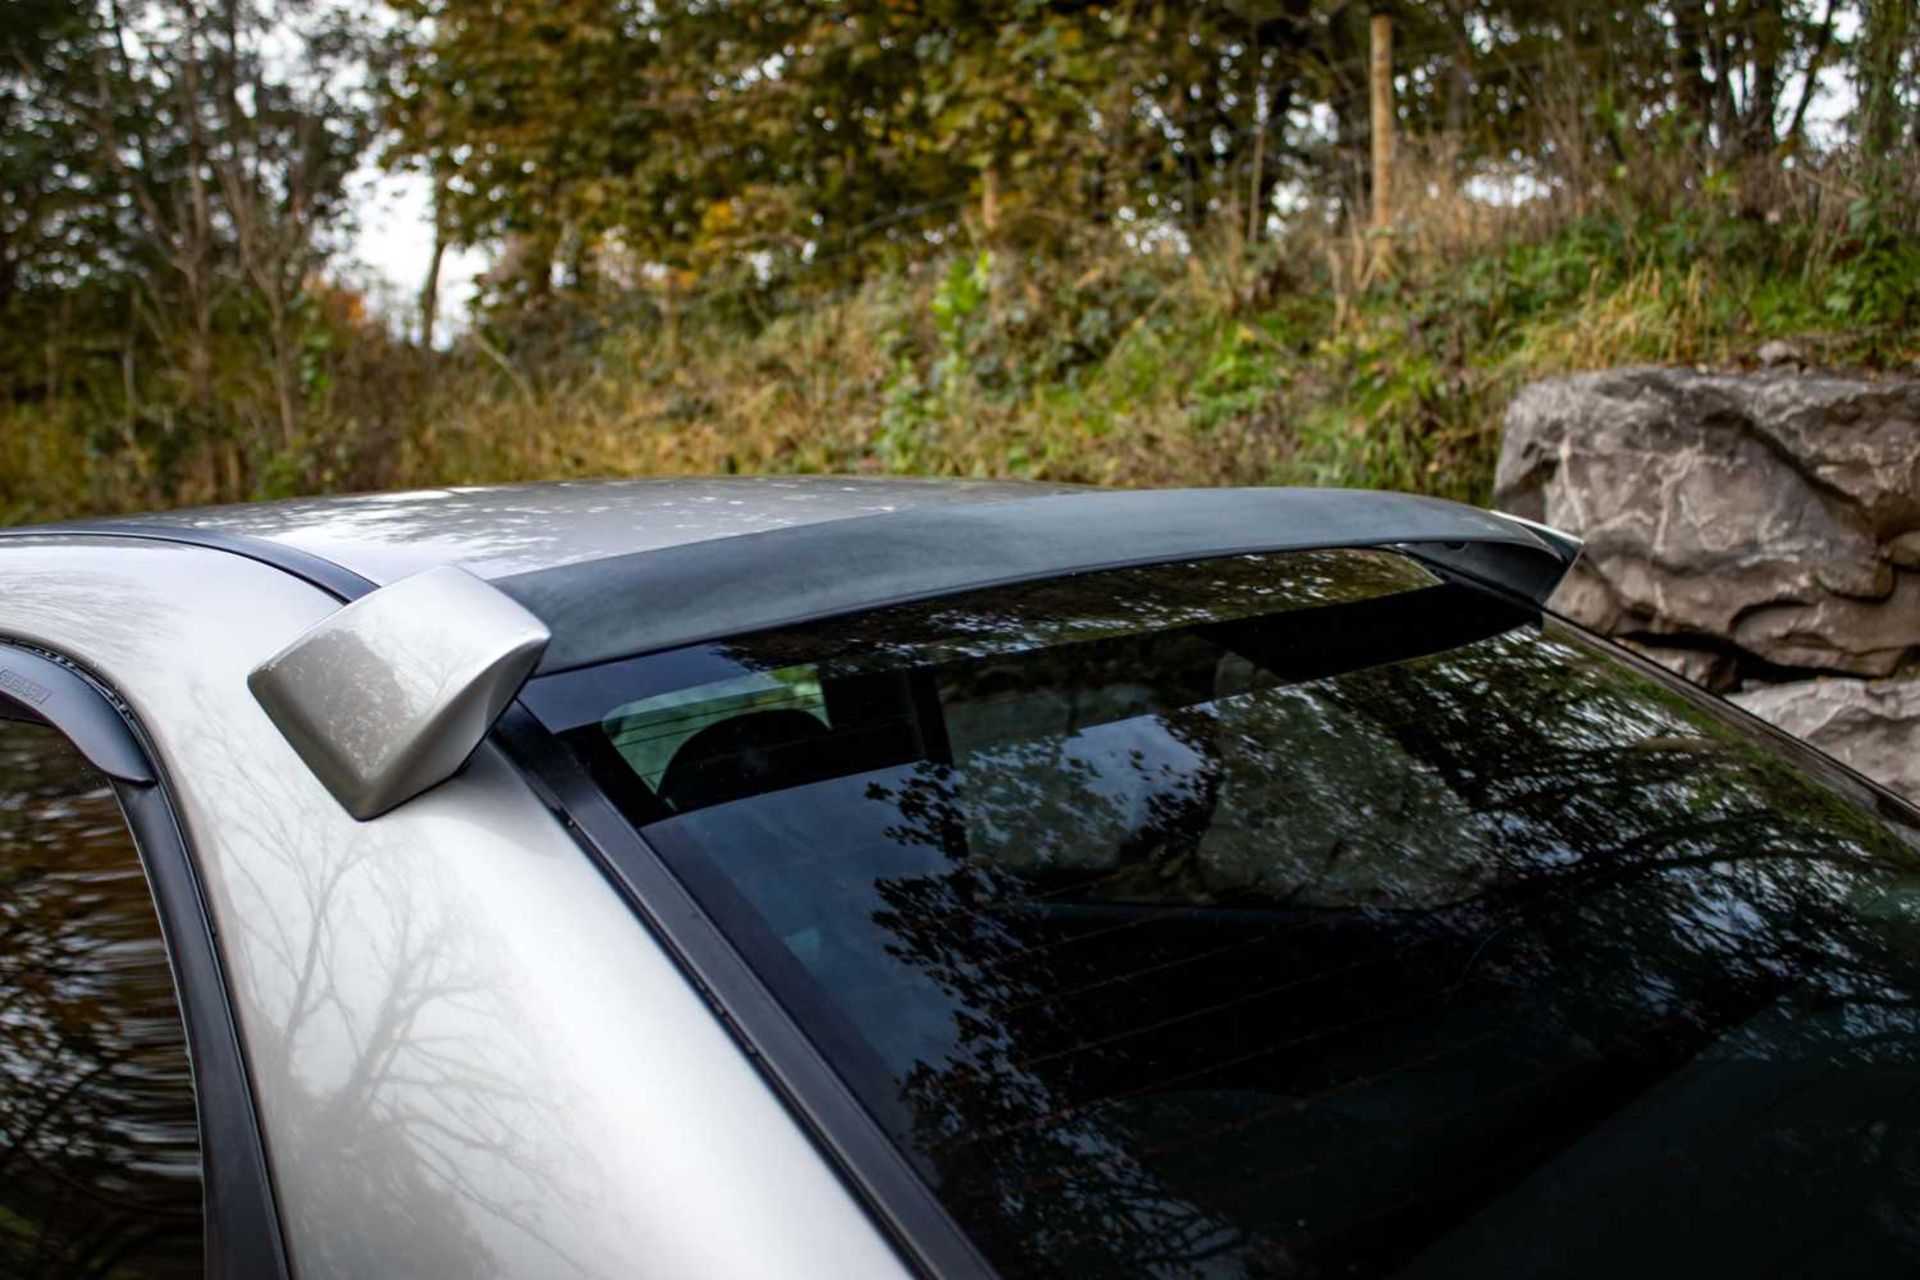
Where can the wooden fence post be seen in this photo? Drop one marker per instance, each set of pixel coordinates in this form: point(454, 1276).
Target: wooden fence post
point(1380, 80)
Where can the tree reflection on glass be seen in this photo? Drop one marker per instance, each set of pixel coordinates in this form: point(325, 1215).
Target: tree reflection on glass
point(1380, 927)
point(99, 1151)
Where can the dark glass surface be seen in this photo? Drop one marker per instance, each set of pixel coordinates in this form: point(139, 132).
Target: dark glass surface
point(99, 1151)
point(1305, 915)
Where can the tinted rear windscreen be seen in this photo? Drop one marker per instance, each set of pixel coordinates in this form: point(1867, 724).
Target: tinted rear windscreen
point(1303, 915)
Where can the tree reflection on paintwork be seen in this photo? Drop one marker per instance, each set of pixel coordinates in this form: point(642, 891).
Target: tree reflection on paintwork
point(99, 1153)
point(1192, 952)
point(388, 1053)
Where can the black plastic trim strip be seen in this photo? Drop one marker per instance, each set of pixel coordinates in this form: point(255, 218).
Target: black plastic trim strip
point(650, 601)
point(341, 583)
point(52, 693)
point(243, 1235)
point(874, 1168)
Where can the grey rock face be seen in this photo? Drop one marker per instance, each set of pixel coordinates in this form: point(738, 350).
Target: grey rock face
point(1752, 522)
point(1744, 529)
point(1872, 725)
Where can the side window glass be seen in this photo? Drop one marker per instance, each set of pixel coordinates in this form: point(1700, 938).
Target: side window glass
point(99, 1146)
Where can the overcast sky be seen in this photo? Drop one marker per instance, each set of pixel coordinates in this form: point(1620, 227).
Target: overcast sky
point(392, 243)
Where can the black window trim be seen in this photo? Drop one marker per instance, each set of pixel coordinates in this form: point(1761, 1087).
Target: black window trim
point(856, 1146)
point(242, 1224)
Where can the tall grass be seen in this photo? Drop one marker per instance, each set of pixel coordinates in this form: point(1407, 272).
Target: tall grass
point(1284, 362)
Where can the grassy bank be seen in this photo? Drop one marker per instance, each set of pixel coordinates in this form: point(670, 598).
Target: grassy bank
point(1214, 366)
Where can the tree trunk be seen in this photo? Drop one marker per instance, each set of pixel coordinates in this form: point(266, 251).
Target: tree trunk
point(1767, 35)
point(1380, 95)
point(1696, 93)
point(1888, 26)
point(1256, 203)
point(285, 370)
point(430, 289)
point(196, 247)
point(1811, 78)
point(1380, 86)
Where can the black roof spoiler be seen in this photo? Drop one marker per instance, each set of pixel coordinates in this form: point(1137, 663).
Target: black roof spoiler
point(647, 601)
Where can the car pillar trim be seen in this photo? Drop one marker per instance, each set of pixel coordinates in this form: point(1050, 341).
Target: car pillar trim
point(41, 689)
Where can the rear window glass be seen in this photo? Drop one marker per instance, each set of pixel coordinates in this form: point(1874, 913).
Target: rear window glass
point(1303, 914)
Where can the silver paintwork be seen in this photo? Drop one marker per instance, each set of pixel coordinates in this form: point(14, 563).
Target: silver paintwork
point(390, 695)
point(514, 528)
point(469, 1058)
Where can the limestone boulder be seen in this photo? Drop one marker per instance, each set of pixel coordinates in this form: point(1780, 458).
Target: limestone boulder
point(1873, 726)
point(1744, 525)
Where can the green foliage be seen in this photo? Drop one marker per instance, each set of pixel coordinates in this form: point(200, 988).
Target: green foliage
point(1242, 375)
point(917, 402)
point(957, 305)
point(1010, 238)
point(1878, 283)
point(171, 178)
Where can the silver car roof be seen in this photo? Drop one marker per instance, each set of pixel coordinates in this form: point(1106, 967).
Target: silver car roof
point(496, 531)
point(722, 556)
